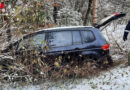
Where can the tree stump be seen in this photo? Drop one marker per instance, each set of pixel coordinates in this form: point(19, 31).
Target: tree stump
point(129, 58)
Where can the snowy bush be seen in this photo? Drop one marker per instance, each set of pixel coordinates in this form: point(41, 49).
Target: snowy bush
point(69, 17)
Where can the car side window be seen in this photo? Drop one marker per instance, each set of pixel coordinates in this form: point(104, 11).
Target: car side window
point(32, 41)
point(87, 36)
point(25, 43)
point(39, 39)
point(60, 38)
point(76, 37)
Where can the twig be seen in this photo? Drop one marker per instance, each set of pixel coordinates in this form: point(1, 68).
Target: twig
point(14, 15)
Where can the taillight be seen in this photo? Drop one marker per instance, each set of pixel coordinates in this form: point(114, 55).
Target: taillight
point(116, 13)
point(106, 47)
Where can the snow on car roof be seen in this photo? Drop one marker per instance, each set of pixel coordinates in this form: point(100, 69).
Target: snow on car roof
point(58, 28)
point(66, 27)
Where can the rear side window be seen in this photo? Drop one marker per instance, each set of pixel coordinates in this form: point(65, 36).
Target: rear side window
point(87, 36)
point(76, 37)
point(62, 38)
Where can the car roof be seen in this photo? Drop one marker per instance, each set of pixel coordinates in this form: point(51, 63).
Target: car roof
point(57, 29)
point(63, 28)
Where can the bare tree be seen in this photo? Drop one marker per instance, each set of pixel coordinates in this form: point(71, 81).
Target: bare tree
point(88, 12)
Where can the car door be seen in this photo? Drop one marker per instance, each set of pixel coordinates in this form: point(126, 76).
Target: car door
point(32, 43)
point(77, 41)
point(59, 41)
point(88, 40)
point(64, 41)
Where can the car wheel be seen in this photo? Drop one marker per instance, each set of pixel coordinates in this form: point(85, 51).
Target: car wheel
point(109, 59)
point(105, 61)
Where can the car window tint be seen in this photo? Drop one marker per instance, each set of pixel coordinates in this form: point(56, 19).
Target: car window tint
point(87, 36)
point(39, 39)
point(32, 41)
point(62, 38)
point(25, 43)
point(76, 37)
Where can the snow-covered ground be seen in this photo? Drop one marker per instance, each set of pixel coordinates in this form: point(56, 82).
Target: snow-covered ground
point(116, 79)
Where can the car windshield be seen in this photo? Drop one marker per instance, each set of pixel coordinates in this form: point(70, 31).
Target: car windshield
point(62, 38)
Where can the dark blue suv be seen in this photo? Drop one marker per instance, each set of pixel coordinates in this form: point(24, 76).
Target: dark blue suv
point(63, 41)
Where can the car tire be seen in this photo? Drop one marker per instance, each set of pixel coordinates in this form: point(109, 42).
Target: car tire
point(109, 59)
point(105, 61)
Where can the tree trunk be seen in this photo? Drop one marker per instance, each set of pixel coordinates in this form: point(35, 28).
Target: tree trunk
point(129, 58)
point(94, 12)
point(88, 11)
point(55, 10)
